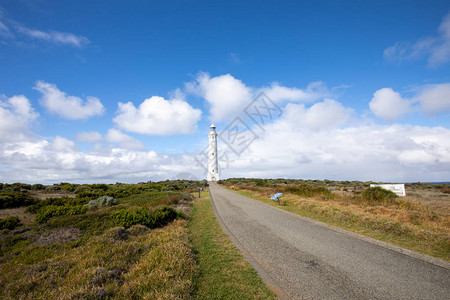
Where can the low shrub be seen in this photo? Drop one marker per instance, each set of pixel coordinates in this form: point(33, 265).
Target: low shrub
point(186, 197)
point(163, 216)
point(103, 201)
point(9, 223)
point(307, 190)
point(158, 218)
point(15, 199)
point(377, 195)
point(50, 211)
point(60, 201)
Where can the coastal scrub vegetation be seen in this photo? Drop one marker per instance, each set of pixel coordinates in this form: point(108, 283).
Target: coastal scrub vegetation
point(118, 241)
point(97, 241)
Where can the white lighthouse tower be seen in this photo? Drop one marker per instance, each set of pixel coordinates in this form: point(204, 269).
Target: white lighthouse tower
point(213, 162)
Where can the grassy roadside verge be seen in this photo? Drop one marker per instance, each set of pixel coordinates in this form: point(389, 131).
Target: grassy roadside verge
point(222, 271)
point(427, 240)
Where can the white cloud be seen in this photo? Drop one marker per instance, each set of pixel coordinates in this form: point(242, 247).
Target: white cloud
point(436, 48)
point(10, 29)
point(434, 98)
point(65, 106)
point(89, 137)
point(431, 99)
point(308, 141)
point(125, 141)
point(367, 152)
point(158, 116)
point(322, 115)
point(234, 58)
point(313, 92)
point(60, 160)
point(16, 116)
point(115, 137)
point(53, 36)
point(61, 144)
point(5, 32)
point(388, 104)
point(228, 97)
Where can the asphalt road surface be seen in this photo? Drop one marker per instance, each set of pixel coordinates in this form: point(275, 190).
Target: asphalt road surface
point(302, 259)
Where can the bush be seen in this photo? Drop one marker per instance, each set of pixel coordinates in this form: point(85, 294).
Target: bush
point(61, 201)
point(186, 197)
point(157, 218)
point(377, 195)
point(9, 223)
point(103, 201)
point(15, 199)
point(307, 190)
point(50, 211)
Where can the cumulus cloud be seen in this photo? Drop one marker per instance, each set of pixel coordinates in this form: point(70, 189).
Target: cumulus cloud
point(431, 99)
point(363, 152)
point(66, 106)
point(388, 104)
point(16, 116)
point(434, 98)
point(310, 140)
point(60, 160)
point(313, 92)
point(89, 137)
point(322, 115)
point(61, 144)
point(115, 138)
point(436, 48)
point(366, 152)
point(125, 141)
point(158, 116)
point(228, 96)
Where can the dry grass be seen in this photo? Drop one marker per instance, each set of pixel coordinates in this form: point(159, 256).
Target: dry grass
point(408, 223)
point(44, 194)
point(127, 264)
point(25, 218)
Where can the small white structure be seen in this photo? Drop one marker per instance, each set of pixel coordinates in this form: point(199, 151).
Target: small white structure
point(213, 161)
point(398, 188)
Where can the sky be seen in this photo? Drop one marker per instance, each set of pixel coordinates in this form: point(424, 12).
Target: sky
point(125, 91)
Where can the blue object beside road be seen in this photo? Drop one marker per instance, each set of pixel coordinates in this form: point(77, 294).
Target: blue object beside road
point(276, 196)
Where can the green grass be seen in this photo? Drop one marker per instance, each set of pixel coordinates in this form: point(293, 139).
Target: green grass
point(426, 240)
point(149, 200)
point(222, 271)
point(99, 259)
point(140, 264)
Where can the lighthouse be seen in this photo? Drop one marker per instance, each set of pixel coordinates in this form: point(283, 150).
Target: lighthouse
point(213, 164)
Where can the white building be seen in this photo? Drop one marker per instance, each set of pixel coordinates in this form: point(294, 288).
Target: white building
point(213, 162)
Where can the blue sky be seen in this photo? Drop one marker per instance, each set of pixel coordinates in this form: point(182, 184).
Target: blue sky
point(106, 91)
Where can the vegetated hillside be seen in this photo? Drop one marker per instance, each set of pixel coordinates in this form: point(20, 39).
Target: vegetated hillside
point(96, 241)
point(420, 221)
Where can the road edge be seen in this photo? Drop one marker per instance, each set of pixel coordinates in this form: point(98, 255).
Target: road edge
point(265, 276)
point(416, 255)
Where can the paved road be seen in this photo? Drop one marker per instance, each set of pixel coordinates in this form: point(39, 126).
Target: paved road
point(303, 259)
